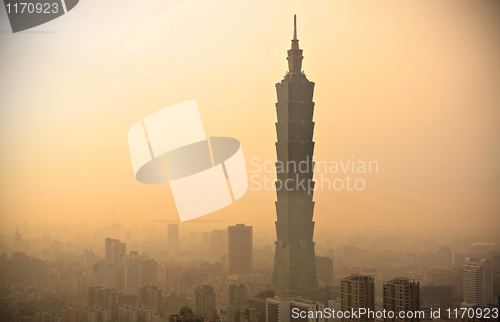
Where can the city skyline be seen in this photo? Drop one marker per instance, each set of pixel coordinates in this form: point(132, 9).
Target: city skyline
point(385, 168)
point(433, 134)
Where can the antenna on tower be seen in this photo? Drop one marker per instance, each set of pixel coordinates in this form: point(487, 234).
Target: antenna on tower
point(294, 26)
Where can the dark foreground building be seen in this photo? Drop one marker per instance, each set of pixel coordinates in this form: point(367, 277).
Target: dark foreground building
point(295, 262)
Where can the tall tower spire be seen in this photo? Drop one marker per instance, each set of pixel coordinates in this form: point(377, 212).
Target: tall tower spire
point(294, 26)
point(294, 270)
point(295, 53)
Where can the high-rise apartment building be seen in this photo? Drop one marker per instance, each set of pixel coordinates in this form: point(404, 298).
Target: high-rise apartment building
point(150, 297)
point(103, 298)
point(108, 248)
point(173, 238)
point(205, 301)
point(97, 314)
point(103, 274)
point(114, 251)
point(239, 249)
point(238, 294)
point(357, 291)
point(478, 282)
point(130, 313)
point(132, 274)
point(295, 262)
point(402, 295)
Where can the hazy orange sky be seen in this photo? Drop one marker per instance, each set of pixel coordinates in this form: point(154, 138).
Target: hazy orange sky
point(413, 85)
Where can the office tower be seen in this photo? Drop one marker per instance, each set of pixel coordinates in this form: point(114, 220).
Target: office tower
point(357, 291)
point(205, 301)
point(238, 294)
point(104, 274)
point(402, 294)
point(132, 274)
point(173, 238)
point(295, 262)
point(218, 244)
point(239, 249)
point(478, 282)
point(149, 271)
point(290, 308)
point(325, 269)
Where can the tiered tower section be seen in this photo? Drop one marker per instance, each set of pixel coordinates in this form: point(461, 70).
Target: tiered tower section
point(295, 262)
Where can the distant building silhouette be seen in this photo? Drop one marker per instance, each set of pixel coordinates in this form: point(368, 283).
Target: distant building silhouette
point(437, 296)
point(88, 258)
point(173, 238)
point(239, 250)
point(325, 269)
point(218, 244)
point(114, 251)
point(149, 271)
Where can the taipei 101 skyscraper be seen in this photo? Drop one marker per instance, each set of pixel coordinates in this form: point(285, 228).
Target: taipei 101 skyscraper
point(295, 262)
